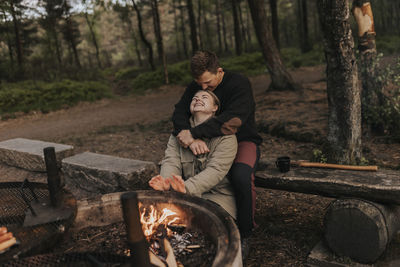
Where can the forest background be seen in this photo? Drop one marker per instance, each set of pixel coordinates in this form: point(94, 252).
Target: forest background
point(56, 53)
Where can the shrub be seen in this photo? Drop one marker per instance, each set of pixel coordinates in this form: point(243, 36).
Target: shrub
point(29, 95)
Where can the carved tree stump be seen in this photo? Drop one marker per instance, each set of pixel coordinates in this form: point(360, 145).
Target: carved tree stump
point(360, 229)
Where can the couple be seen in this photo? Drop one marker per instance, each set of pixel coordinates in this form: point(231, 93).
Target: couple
point(214, 147)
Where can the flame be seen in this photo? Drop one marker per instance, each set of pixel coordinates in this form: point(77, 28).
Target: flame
point(152, 219)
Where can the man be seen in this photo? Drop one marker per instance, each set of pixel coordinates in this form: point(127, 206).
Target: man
point(236, 116)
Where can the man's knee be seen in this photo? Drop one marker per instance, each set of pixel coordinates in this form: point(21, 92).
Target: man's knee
point(241, 176)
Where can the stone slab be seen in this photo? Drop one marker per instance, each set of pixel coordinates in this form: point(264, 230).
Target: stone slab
point(28, 154)
point(91, 174)
point(321, 256)
point(382, 186)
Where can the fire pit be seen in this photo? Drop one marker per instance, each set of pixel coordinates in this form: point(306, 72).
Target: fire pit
point(186, 216)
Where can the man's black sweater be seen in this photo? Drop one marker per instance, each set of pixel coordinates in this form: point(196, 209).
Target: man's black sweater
point(235, 115)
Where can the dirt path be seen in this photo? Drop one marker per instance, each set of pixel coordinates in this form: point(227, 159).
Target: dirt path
point(90, 117)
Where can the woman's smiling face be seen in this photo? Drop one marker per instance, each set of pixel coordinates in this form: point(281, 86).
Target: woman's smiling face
point(203, 102)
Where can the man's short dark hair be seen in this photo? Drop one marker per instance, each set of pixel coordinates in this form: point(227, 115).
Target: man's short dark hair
point(203, 61)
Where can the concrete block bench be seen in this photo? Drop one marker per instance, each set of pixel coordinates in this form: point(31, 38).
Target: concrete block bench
point(365, 217)
point(91, 174)
point(28, 154)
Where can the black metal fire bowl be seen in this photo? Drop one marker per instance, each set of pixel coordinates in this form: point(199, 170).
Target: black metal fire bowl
point(197, 213)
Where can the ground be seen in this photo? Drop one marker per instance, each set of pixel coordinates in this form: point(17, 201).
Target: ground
point(138, 127)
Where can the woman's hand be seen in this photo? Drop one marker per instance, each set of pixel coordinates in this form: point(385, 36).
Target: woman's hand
point(159, 183)
point(177, 183)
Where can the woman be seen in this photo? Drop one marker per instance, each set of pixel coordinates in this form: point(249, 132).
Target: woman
point(202, 175)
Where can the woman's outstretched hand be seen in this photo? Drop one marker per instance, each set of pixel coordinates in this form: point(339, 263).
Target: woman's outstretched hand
point(177, 183)
point(159, 183)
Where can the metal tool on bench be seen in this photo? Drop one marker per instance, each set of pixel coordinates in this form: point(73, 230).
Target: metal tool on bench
point(304, 163)
point(42, 211)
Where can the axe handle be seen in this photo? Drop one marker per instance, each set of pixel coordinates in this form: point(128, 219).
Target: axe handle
point(337, 166)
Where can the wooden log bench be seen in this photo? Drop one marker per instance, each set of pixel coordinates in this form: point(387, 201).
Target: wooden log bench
point(363, 219)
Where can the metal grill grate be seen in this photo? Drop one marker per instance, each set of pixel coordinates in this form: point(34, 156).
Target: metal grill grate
point(33, 239)
point(70, 259)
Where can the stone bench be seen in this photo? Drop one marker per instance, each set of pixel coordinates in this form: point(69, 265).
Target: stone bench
point(91, 174)
point(28, 154)
point(360, 223)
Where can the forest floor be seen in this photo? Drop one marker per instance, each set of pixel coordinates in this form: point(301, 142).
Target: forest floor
point(138, 127)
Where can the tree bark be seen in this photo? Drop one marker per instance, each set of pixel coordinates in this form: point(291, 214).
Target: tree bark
point(281, 79)
point(372, 91)
point(243, 29)
point(343, 86)
point(224, 31)
point(183, 30)
point(236, 27)
point(160, 45)
point(199, 15)
point(143, 37)
point(217, 14)
point(303, 24)
point(18, 42)
point(94, 39)
point(177, 42)
point(192, 23)
point(275, 23)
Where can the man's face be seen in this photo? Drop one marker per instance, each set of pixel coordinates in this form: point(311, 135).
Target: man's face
point(210, 80)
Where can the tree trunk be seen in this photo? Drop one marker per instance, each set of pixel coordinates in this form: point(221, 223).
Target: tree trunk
point(343, 86)
point(242, 27)
point(157, 33)
point(275, 23)
point(303, 24)
point(217, 14)
point(224, 31)
point(18, 42)
point(199, 15)
point(94, 39)
point(143, 37)
point(372, 91)
point(183, 31)
point(192, 23)
point(210, 37)
point(72, 43)
point(135, 41)
point(281, 79)
point(236, 27)
point(248, 22)
point(177, 43)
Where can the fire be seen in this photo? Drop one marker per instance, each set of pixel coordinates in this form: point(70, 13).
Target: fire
point(151, 219)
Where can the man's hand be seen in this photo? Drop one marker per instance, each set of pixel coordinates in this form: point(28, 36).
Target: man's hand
point(177, 183)
point(199, 147)
point(159, 183)
point(185, 138)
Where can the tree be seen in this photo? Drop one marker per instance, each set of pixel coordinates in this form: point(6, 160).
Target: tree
point(281, 79)
point(372, 93)
point(236, 27)
point(183, 30)
point(143, 37)
point(303, 26)
point(157, 33)
point(343, 86)
point(71, 32)
point(91, 20)
point(49, 22)
point(274, 20)
point(192, 23)
point(217, 14)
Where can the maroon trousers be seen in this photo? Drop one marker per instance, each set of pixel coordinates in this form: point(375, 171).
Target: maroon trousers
point(242, 179)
